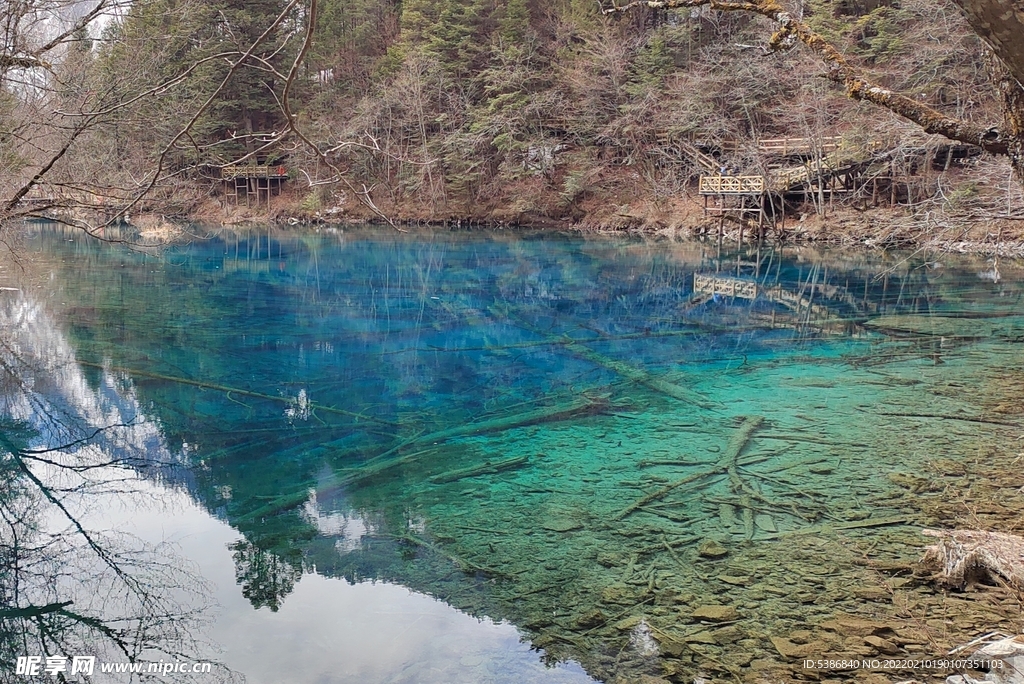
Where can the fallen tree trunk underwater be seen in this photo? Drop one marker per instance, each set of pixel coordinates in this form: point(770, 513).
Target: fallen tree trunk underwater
point(725, 465)
point(487, 468)
point(632, 373)
point(579, 406)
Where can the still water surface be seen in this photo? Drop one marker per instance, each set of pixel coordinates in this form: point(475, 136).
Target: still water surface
point(360, 456)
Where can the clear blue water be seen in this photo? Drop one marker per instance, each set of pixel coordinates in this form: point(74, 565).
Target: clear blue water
point(537, 433)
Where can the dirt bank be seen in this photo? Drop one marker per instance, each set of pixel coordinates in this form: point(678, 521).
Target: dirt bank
point(624, 205)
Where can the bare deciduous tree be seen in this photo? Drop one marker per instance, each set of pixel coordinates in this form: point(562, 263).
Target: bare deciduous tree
point(985, 17)
point(60, 120)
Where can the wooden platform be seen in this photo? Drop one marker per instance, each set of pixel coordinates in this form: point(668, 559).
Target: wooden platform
point(257, 182)
point(739, 197)
point(266, 171)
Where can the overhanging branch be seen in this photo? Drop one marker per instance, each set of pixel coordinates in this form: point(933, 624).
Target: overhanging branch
point(840, 71)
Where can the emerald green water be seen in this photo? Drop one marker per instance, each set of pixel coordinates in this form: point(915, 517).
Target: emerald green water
point(538, 430)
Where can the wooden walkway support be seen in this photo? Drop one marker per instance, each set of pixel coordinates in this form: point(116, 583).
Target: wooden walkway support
point(738, 196)
point(803, 146)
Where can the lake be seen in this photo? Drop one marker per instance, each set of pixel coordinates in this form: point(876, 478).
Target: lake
point(368, 456)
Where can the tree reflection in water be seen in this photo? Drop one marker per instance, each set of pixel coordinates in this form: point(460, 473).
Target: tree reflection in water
point(265, 578)
point(68, 449)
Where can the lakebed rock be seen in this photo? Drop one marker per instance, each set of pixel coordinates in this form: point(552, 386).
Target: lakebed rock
point(703, 637)
point(561, 524)
point(735, 580)
point(800, 636)
point(592, 618)
point(712, 549)
point(787, 649)
point(854, 626)
point(883, 646)
point(715, 613)
point(765, 523)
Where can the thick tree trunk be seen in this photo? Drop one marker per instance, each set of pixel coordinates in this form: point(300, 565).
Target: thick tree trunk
point(1012, 93)
point(1000, 23)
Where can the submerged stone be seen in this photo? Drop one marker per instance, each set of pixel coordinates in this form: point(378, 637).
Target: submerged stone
point(617, 593)
point(883, 646)
point(627, 624)
point(702, 637)
point(672, 647)
point(592, 618)
point(651, 679)
point(735, 580)
point(853, 626)
point(712, 549)
point(610, 560)
point(729, 635)
point(787, 649)
point(800, 636)
point(715, 613)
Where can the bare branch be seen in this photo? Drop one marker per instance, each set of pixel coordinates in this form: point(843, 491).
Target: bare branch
point(840, 71)
point(162, 158)
point(290, 118)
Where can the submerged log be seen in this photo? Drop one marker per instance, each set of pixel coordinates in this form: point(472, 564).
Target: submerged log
point(963, 556)
point(638, 375)
point(228, 391)
point(577, 407)
point(488, 468)
point(932, 326)
point(632, 373)
point(726, 465)
point(839, 527)
point(387, 460)
point(280, 504)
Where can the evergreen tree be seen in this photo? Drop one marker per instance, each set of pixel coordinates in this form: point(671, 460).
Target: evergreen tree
point(455, 32)
point(514, 22)
point(249, 103)
point(162, 39)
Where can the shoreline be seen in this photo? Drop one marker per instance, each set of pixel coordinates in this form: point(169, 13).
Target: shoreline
point(931, 227)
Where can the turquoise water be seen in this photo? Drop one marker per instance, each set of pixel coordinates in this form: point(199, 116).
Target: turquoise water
point(540, 431)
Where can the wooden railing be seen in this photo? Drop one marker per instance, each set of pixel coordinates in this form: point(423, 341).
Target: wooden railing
point(231, 171)
point(732, 185)
point(784, 146)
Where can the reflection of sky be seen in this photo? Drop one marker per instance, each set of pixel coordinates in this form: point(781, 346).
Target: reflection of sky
point(46, 388)
point(347, 527)
point(327, 631)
